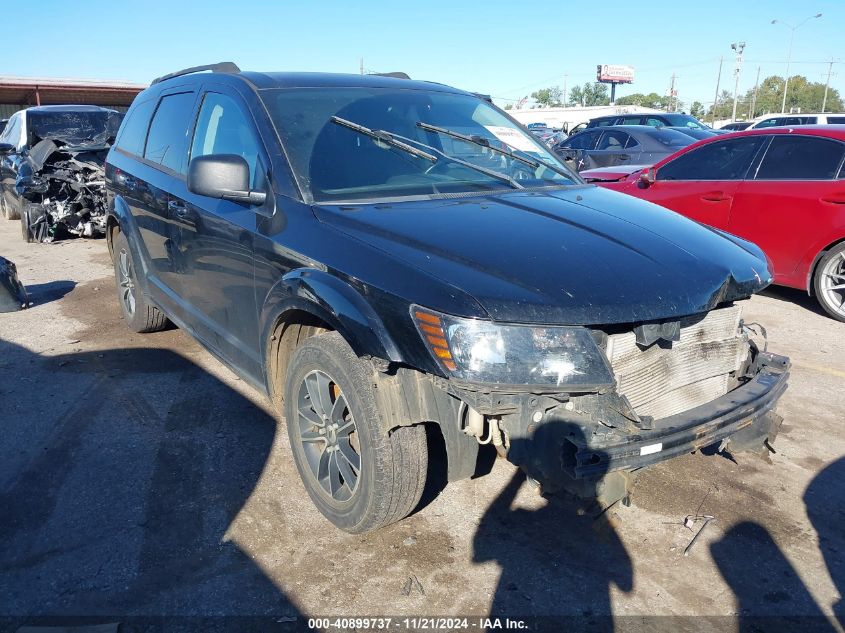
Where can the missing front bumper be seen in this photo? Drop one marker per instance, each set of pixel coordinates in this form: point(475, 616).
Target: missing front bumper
point(567, 445)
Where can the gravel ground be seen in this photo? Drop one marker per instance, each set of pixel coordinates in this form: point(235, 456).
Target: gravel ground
point(140, 477)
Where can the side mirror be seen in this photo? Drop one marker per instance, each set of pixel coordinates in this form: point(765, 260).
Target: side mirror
point(6, 148)
point(647, 178)
point(224, 176)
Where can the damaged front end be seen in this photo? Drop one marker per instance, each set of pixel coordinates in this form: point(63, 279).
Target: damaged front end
point(62, 178)
point(65, 189)
point(580, 409)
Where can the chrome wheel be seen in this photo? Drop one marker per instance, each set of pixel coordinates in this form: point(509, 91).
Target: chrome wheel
point(328, 435)
point(832, 284)
point(127, 285)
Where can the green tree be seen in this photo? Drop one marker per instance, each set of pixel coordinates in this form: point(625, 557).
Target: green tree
point(697, 109)
point(651, 100)
point(550, 97)
point(803, 94)
point(590, 94)
point(508, 106)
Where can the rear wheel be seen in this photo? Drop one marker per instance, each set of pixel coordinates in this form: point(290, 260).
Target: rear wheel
point(140, 315)
point(829, 282)
point(358, 475)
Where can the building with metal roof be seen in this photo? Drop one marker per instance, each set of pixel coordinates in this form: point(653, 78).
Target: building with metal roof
point(17, 93)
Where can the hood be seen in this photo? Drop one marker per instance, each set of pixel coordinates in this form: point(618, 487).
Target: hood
point(611, 174)
point(581, 256)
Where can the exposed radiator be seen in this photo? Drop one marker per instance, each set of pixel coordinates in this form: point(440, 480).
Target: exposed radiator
point(667, 378)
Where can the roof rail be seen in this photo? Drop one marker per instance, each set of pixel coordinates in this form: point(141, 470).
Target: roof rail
point(221, 67)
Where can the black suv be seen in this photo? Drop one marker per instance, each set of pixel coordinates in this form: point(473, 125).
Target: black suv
point(387, 258)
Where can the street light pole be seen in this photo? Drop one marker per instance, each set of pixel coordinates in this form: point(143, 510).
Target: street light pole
point(789, 54)
point(738, 47)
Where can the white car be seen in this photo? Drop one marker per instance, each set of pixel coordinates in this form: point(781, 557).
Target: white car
point(772, 120)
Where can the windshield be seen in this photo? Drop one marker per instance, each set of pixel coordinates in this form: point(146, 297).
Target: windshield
point(684, 120)
point(334, 163)
point(74, 127)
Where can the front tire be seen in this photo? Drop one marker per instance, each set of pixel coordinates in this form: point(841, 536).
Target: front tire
point(140, 315)
point(829, 282)
point(358, 475)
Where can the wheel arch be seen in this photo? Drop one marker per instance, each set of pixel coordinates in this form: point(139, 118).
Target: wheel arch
point(811, 275)
point(320, 301)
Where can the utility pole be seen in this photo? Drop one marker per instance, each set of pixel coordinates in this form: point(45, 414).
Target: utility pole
point(362, 65)
point(718, 80)
point(738, 47)
point(792, 30)
point(564, 90)
point(754, 100)
point(827, 83)
point(672, 93)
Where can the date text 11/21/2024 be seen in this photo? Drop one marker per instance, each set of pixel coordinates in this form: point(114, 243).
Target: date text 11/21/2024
point(416, 623)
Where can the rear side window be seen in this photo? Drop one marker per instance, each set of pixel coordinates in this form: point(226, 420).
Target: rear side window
point(134, 131)
point(613, 139)
point(836, 120)
point(167, 140)
point(631, 120)
point(801, 158)
point(722, 160)
point(582, 140)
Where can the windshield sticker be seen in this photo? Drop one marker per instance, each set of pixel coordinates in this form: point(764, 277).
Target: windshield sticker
point(512, 138)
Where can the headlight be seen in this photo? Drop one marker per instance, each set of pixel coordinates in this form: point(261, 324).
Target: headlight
point(481, 351)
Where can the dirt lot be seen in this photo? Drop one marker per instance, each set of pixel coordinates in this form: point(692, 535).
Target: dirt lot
point(139, 477)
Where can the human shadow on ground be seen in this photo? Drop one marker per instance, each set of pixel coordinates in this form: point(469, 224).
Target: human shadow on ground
point(558, 561)
point(121, 471)
point(825, 501)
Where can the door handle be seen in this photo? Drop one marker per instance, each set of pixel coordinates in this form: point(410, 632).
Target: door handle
point(624, 157)
point(715, 196)
point(833, 199)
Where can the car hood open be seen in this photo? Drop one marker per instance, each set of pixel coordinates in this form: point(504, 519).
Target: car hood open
point(580, 255)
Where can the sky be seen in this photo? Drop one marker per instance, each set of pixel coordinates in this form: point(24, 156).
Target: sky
point(505, 49)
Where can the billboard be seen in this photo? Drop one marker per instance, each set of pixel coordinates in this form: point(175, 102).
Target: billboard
point(610, 73)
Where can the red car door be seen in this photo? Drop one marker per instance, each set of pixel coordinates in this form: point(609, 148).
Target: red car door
point(701, 183)
point(793, 203)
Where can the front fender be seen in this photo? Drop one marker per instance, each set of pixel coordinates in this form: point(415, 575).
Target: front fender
point(336, 303)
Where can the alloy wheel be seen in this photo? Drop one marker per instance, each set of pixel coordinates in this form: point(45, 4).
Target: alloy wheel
point(127, 285)
point(833, 283)
point(328, 435)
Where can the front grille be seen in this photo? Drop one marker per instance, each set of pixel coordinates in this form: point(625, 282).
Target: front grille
point(669, 377)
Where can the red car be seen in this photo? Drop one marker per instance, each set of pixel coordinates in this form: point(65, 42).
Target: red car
point(782, 188)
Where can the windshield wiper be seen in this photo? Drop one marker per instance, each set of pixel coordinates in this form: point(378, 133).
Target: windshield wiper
point(385, 137)
point(483, 142)
point(477, 140)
